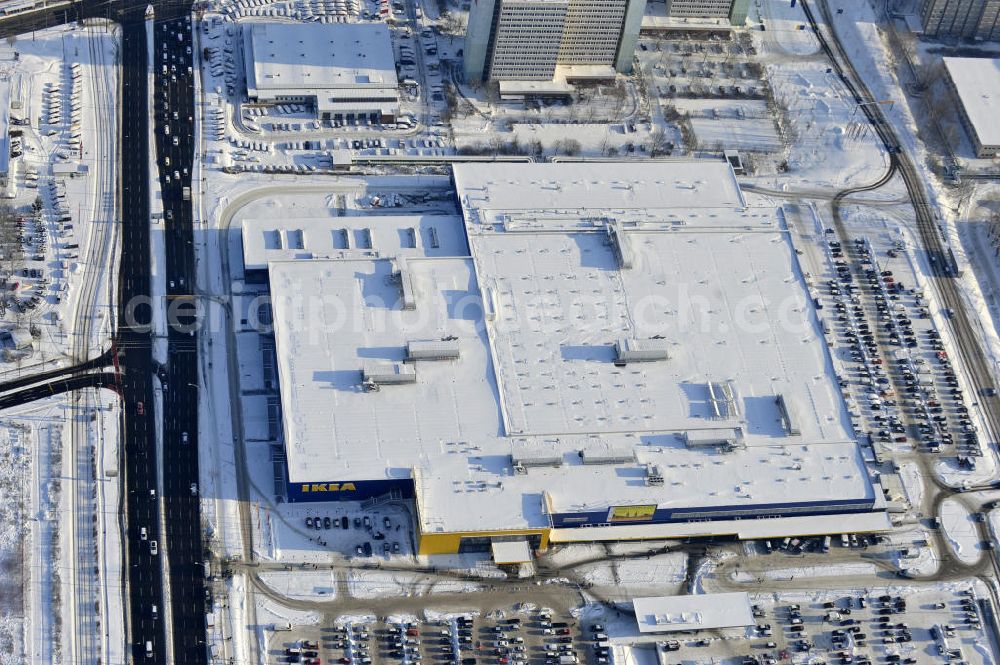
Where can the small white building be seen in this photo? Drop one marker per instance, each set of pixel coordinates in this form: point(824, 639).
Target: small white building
point(664, 614)
point(16, 339)
point(343, 70)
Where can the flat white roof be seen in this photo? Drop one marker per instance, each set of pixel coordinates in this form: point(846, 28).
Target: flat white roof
point(661, 614)
point(535, 88)
point(516, 551)
point(650, 190)
point(534, 417)
point(271, 239)
point(978, 83)
point(303, 59)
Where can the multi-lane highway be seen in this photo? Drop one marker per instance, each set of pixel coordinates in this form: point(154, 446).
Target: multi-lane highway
point(174, 124)
point(180, 545)
point(179, 542)
point(145, 581)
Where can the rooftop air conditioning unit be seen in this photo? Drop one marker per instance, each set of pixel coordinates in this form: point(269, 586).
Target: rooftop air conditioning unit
point(654, 475)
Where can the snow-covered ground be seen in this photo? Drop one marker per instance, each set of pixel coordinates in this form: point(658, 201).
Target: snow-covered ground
point(377, 584)
point(309, 584)
point(662, 572)
point(913, 483)
point(810, 572)
point(958, 525)
point(63, 85)
point(18, 459)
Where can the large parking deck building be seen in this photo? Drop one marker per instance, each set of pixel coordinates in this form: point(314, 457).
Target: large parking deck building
point(613, 351)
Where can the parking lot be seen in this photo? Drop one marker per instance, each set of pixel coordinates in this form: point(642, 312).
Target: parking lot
point(902, 388)
point(535, 637)
point(870, 627)
point(353, 531)
point(866, 628)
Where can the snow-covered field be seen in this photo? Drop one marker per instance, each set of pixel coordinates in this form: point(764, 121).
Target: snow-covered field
point(17, 450)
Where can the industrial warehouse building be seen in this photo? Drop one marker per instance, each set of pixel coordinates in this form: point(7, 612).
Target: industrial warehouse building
point(591, 352)
point(975, 82)
point(343, 70)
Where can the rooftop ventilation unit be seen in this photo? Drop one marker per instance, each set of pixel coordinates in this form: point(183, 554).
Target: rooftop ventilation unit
point(723, 401)
point(607, 456)
point(444, 349)
point(789, 421)
point(404, 278)
point(726, 438)
point(535, 453)
point(621, 245)
point(629, 350)
point(374, 375)
point(654, 475)
point(522, 462)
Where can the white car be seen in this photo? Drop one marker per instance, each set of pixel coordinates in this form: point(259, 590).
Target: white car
point(153, 549)
point(142, 534)
point(184, 435)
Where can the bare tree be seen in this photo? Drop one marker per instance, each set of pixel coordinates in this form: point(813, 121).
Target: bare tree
point(658, 143)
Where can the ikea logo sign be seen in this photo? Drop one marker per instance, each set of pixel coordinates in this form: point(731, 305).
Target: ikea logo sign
point(328, 487)
point(631, 513)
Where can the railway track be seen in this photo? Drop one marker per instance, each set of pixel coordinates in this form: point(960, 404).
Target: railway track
point(88, 645)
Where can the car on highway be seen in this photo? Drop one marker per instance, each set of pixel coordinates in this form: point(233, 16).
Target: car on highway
point(140, 409)
point(184, 437)
point(153, 548)
point(142, 534)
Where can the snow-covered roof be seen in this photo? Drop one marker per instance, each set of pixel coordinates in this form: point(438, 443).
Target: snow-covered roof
point(570, 264)
point(309, 58)
point(661, 614)
point(535, 87)
point(511, 551)
point(978, 83)
point(661, 190)
point(282, 239)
